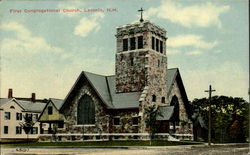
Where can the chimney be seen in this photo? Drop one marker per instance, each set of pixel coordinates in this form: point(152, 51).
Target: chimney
point(10, 93)
point(33, 97)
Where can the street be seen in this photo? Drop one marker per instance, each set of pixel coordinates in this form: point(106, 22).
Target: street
point(169, 150)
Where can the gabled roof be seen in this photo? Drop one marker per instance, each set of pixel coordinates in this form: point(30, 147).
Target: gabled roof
point(172, 76)
point(57, 102)
point(3, 101)
point(25, 105)
point(104, 86)
point(166, 112)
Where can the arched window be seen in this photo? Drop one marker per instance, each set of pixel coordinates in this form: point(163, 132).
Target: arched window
point(174, 102)
point(12, 107)
point(153, 98)
point(86, 110)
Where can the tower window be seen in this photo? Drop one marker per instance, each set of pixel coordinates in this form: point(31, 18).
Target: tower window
point(125, 44)
point(132, 43)
point(157, 45)
point(159, 62)
point(140, 42)
point(153, 43)
point(163, 100)
point(161, 47)
point(153, 98)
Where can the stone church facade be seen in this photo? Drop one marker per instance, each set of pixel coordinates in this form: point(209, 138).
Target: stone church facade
point(113, 107)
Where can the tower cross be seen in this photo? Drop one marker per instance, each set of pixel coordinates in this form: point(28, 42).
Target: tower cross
point(141, 10)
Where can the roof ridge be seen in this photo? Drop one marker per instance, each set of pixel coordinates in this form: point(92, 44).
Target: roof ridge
point(172, 68)
point(95, 73)
point(55, 98)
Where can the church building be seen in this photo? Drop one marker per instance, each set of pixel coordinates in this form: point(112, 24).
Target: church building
point(112, 107)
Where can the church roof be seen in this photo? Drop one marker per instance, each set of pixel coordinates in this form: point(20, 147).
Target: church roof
point(166, 113)
point(105, 88)
point(171, 73)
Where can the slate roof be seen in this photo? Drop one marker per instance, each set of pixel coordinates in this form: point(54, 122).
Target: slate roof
point(30, 106)
point(57, 102)
point(171, 74)
point(105, 88)
point(26, 105)
point(3, 101)
point(166, 113)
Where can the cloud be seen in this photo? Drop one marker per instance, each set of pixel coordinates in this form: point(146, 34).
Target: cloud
point(202, 15)
point(196, 42)
point(87, 25)
point(24, 42)
point(194, 52)
point(228, 78)
point(68, 5)
point(190, 40)
point(55, 76)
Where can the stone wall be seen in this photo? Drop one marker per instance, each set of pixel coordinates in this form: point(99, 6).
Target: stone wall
point(126, 121)
point(130, 78)
point(101, 115)
point(185, 123)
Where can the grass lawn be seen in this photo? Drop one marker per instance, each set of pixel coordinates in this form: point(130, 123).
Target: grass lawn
point(103, 143)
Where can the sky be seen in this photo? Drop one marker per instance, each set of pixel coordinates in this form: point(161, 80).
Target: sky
point(45, 52)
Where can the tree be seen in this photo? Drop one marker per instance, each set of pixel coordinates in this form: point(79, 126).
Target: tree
point(230, 118)
point(27, 125)
point(151, 113)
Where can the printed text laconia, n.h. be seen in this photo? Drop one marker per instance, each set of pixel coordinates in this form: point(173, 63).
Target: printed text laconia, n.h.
point(85, 10)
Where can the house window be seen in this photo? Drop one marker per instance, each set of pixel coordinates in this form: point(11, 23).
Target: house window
point(86, 110)
point(117, 121)
point(19, 116)
point(125, 44)
point(18, 130)
point(34, 117)
point(153, 98)
point(12, 107)
point(50, 110)
point(132, 43)
point(6, 130)
point(140, 42)
point(34, 130)
point(135, 120)
point(7, 115)
point(29, 116)
point(153, 43)
point(177, 123)
point(60, 125)
point(163, 100)
point(161, 46)
point(157, 45)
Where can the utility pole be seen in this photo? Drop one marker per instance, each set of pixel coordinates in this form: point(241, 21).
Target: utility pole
point(209, 114)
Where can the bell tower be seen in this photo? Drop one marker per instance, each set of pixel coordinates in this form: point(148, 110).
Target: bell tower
point(141, 58)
